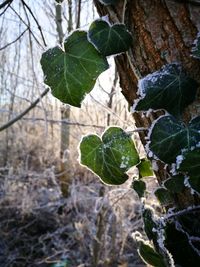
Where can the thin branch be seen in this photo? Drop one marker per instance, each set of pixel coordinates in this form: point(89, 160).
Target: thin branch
point(6, 8)
point(7, 2)
point(36, 21)
point(65, 122)
point(183, 212)
point(27, 26)
point(18, 117)
point(8, 44)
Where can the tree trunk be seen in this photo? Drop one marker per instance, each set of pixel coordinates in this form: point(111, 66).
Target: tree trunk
point(65, 173)
point(163, 32)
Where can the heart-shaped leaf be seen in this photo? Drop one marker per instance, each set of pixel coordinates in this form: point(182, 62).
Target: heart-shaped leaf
point(145, 168)
point(175, 184)
point(139, 186)
point(109, 40)
point(111, 156)
point(196, 48)
point(169, 88)
point(163, 196)
point(169, 136)
point(71, 73)
point(109, 2)
point(150, 256)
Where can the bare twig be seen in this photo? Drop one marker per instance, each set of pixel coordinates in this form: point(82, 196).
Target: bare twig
point(66, 122)
point(36, 21)
point(183, 212)
point(33, 104)
point(7, 2)
point(27, 25)
point(14, 41)
point(6, 8)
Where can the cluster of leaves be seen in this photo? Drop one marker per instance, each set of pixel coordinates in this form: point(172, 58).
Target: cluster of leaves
point(71, 72)
point(177, 144)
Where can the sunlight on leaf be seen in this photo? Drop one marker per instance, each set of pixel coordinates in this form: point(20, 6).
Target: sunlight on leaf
point(150, 256)
point(111, 156)
point(71, 73)
point(109, 40)
point(145, 168)
point(169, 88)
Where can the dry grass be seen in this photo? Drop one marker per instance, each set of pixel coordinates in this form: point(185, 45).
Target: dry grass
point(38, 227)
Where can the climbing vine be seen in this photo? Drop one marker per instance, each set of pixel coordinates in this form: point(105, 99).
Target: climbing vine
point(71, 72)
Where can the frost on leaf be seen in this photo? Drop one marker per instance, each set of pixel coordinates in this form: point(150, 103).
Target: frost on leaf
point(178, 244)
point(169, 136)
point(110, 156)
point(71, 73)
point(191, 162)
point(191, 165)
point(196, 48)
point(109, 40)
point(169, 88)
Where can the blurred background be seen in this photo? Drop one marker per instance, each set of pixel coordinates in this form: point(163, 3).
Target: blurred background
point(55, 212)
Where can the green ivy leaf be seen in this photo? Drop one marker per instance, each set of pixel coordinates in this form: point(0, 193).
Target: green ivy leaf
point(169, 88)
point(150, 256)
point(191, 162)
point(195, 183)
point(71, 73)
point(163, 196)
point(139, 186)
point(196, 49)
point(150, 225)
point(169, 136)
point(191, 165)
point(108, 2)
point(111, 156)
point(175, 184)
point(179, 246)
point(109, 40)
point(145, 168)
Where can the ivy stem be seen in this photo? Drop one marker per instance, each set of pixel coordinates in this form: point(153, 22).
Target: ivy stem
point(137, 130)
point(183, 212)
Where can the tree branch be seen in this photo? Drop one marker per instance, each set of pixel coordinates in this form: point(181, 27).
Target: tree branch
point(7, 2)
point(14, 41)
point(67, 122)
point(18, 117)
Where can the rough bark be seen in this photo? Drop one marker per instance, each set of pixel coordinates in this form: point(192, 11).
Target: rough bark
point(163, 32)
